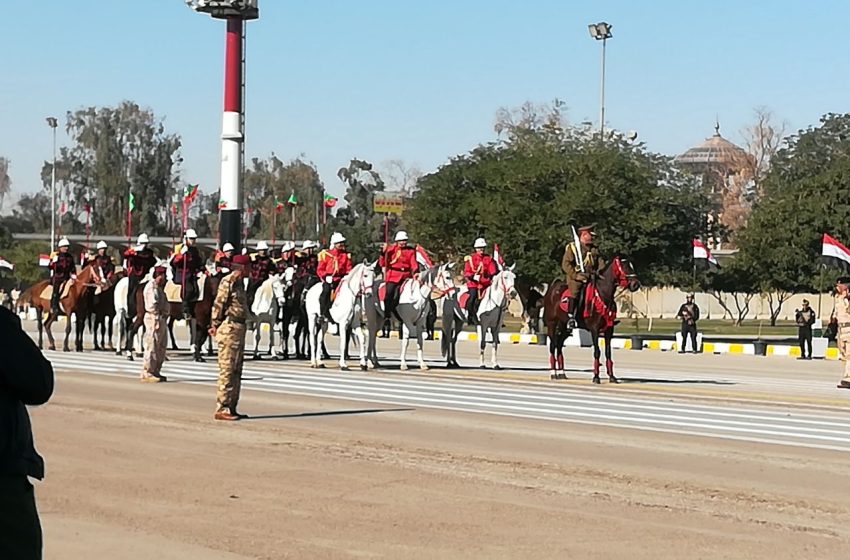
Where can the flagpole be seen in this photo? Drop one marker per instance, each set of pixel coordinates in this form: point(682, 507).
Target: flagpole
point(292, 225)
point(274, 223)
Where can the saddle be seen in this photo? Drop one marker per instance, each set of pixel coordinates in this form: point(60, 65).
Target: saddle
point(585, 296)
point(382, 293)
point(173, 290)
point(47, 292)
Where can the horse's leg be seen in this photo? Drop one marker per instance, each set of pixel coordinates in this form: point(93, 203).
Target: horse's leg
point(562, 337)
point(79, 334)
point(95, 331)
point(405, 339)
point(257, 334)
point(48, 324)
point(363, 345)
point(609, 362)
point(420, 333)
point(553, 338)
point(171, 333)
point(272, 349)
point(39, 322)
point(482, 344)
point(65, 346)
point(495, 333)
point(343, 345)
point(595, 336)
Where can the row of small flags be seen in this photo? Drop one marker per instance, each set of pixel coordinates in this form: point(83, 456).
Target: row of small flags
point(832, 251)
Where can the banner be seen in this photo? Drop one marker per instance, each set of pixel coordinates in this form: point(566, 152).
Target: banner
point(388, 203)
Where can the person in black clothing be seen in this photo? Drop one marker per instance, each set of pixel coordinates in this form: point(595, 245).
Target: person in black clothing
point(26, 378)
point(805, 319)
point(689, 314)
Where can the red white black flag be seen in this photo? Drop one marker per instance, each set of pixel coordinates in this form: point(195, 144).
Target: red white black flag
point(702, 252)
point(834, 252)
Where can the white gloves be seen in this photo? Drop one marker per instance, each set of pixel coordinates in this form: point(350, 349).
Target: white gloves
point(329, 279)
point(477, 277)
point(184, 250)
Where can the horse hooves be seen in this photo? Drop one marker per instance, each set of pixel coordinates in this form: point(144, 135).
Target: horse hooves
point(612, 379)
point(497, 367)
point(364, 367)
point(343, 368)
point(200, 359)
point(326, 356)
point(482, 367)
point(596, 380)
point(321, 366)
point(403, 367)
point(66, 349)
point(256, 357)
point(130, 358)
point(423, 367)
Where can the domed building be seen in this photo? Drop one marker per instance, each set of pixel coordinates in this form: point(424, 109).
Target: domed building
point(727, 169)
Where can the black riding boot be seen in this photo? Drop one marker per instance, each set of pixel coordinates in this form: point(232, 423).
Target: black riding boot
point(326, 301)
point(54, 299)
point(572, 323)
point(472, 307)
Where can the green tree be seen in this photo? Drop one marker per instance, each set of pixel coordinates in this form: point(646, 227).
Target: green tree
point(115, 151)
point(363, 228)
point(526, 191)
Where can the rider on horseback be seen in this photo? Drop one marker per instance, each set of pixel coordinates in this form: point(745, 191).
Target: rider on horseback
point(64, 268)
point(333, 266)
point(224, 260)
point(138, 261)
point(399, 264)
point(306, 260)
point(581, 265)
point(261, 269)
point(479, 270)
point(287, 257)
point(104, 261)
point(188, 263)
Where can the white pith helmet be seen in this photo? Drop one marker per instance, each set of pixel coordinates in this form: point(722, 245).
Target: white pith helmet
point(262, 246)
point(288, 246)
point(190, 234)
point(401, 236)
point(480, 243)
point(337, 238)
point(102, 245)
point(143, 239)
point(309, 245)
point(64, 242)
point(227, 247)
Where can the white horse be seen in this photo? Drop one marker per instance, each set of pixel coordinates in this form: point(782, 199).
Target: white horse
point(265, 309)
point(349, 303)
point(122, 313)
point(491, 312)
point(412, 309)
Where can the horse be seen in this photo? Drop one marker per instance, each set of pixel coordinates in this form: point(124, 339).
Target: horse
point(597, 316)
point(75, 303)
point(414, 303)
point(491, 312)
point(265, 309)
point(103, 312)
point(203, 317)
point(532, 303)
point(349, 303)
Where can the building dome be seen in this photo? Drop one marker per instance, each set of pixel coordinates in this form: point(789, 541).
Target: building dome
point(714, 152)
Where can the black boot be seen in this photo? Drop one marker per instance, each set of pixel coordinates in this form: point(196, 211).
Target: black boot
point(54, 301)
point(326, 302)
point(571, 322)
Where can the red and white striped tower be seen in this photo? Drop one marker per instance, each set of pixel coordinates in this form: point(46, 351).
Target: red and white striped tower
point(235, 13)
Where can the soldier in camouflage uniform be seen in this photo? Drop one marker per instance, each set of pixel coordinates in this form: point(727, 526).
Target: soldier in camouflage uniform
point(156, 327)
point(842, 315)
point(229, 315)
point(576, 279)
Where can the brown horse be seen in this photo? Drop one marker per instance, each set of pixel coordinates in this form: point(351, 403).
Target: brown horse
point(597, 316)
point(75, 303)
point(102, 312)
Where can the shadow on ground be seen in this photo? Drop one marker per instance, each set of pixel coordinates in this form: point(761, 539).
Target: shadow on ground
point(329, 413)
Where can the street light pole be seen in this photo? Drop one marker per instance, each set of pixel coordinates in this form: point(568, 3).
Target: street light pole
point(601, 32)
point(53, 123)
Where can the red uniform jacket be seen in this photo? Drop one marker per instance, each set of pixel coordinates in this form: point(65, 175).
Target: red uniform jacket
point(261, 269)
point(482, 266)
point(139, 263)
point(107, 267)
point(187, 264)
point(63, 267)
point(334, 263)
point(399, 263)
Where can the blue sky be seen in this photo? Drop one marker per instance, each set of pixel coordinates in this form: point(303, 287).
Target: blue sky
point(417, 81)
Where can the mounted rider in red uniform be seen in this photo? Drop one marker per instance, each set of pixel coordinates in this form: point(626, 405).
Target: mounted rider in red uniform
point(138, 261)
point(306, 260)
point(333, 266)
point(64, 268)
point(399, 264)
point(224, 260)
point(261, 268)
point(188, 263)
point(287, 257)
point(104, 261)
point(479, 270)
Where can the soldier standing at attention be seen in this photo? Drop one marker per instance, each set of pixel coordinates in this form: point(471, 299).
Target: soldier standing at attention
point(576, 279)
point(842, 315)
point(229, 315)
point(156, 327)
point(805, 318)
point(689, 315)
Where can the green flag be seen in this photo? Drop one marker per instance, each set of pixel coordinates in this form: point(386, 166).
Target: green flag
point(132, 202)
point(293, 200)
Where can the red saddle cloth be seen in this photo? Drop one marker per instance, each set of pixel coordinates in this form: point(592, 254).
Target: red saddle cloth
point(592, 302)
point(565, 300)
point(463, 299)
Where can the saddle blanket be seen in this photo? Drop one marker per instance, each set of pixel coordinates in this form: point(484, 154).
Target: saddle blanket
point(172, 290)
point(47, 292)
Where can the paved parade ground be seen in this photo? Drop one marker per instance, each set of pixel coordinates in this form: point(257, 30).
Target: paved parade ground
point(692, 456)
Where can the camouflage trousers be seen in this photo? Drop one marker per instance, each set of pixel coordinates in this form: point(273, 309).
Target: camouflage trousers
point(230, 339)
point(156, 342)
point(844, 349)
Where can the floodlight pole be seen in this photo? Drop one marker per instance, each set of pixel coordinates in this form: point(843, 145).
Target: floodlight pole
point(602, 91)
point(230, 216)
point(52, 122)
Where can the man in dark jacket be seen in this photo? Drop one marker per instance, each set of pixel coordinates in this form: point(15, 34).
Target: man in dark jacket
point(26, 378)
point(805, 319)
point(689, 314)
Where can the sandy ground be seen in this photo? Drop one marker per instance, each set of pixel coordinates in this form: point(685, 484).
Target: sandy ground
point(138, 471)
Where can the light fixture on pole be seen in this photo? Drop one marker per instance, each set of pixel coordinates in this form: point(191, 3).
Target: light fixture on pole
point(52, 122)
point(235, 13)
point(601, 32)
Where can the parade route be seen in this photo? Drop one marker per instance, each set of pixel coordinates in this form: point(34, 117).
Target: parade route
point(711, 456)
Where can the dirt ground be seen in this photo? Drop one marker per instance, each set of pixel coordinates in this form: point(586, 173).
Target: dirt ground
point(138, 471)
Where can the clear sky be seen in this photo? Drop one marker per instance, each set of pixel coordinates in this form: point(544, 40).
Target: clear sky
point(417, 81)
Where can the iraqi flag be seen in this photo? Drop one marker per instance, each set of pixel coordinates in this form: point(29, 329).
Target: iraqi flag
point(6, 264)
point(702, 252)
point(833, 252)
point(44, 260)
point(422, 257)
point(498, 257)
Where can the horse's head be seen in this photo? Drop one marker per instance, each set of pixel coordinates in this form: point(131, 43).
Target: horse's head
point(361, 281)
point(279, 285)
point(444, 280)
point(624, 274)
point(505, 281)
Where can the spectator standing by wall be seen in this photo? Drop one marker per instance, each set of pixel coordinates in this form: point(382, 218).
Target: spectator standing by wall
point(805, 319)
